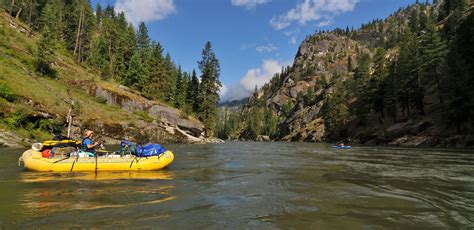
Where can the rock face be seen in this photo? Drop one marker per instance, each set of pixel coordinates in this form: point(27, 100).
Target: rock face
point(262, 138)
point(318, 60)
point(11, 140)
point(328, 58)
point(161, 123)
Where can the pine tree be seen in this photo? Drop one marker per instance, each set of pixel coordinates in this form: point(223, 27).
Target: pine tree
point(335, 111)
point(391, 90)
point(74, 13)
point(136, 73)
point(98, 13)
point(82, 29)
point(169, 85)
point(349, 63)
point(424, 21)
point(143, 40)
point(109, 34)
point(455, 10)
point(51, 21)
point(45, 53)
point(406, 68)
point(270, 123)
point(378, 81)
point(459, 80)
point(125, 46)
point(156, 88)
point(180, 97)
point(414, 22)
point(432, 55)
point(193, 92)
point(209, 88)
point(223, 125)
point(254, 123)
point(361, 81)
point(184, 91)
point(97, 59)
point(50, 36)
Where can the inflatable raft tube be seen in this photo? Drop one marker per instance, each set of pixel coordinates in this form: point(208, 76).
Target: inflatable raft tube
point(33, 160)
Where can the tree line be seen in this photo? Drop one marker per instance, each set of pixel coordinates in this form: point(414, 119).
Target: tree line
point(104, 40)
point(431, 47)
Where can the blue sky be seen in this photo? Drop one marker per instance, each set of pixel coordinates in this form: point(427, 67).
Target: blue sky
point(251, 38)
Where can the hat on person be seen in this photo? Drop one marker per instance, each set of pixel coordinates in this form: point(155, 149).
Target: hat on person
point(88, 132)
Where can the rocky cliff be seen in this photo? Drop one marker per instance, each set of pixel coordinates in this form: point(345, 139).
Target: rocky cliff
point(304, 96)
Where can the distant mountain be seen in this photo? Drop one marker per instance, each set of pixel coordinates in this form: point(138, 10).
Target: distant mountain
point(392, 81)
point(234, 103)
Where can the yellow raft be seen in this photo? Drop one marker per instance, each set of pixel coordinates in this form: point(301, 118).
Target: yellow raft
point(33, 160)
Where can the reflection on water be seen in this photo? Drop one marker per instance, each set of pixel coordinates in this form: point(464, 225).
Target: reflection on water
point(43, 201)
point(29, 176)
point(252, 185)
point(86, 192)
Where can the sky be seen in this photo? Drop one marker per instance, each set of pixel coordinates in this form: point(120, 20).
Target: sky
point(252, 39)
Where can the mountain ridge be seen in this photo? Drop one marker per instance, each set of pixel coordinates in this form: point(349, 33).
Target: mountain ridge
point(337, 91)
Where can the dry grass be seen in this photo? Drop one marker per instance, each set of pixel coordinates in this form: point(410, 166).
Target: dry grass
point(17, 70)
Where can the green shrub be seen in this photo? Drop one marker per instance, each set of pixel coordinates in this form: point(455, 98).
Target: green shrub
point(17, 118)
point(4, 107)
point(50, 125)
point(7, 93)
point(186, 112)
point(77, 108)
point(101, 100)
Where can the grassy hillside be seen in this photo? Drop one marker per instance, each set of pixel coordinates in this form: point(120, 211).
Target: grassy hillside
point(32, 104)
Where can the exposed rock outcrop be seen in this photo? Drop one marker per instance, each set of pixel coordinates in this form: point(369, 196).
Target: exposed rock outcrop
point(161, 123)
point(11, 140)
point(262, 138)
point(325, 64)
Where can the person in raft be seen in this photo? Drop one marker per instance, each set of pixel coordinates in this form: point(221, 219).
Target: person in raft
point(88, 144)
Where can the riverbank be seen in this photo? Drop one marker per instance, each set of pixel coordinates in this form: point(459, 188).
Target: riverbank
point(11, 140)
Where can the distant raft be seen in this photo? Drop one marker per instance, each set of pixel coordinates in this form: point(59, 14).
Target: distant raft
point(33, 160)
point(342, 147)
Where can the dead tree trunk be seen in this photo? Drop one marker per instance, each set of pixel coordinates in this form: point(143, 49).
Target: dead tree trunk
point(79, 29)
point(11, 7)
point(18, 13)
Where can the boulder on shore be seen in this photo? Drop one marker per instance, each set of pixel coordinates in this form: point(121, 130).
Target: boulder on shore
point(262, 138)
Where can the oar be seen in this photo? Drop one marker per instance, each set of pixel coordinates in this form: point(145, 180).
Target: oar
point(95, 163)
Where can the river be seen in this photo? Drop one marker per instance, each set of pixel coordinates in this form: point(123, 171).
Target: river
point(253, 185)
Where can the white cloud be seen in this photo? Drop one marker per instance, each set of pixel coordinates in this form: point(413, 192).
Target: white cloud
point(249, 4)
point(293, 40)
point(254, 77)
point(266, 48)
point(259, 76)
point(324, 23)
point(145, 10)
point(312, 10)
point(223, 90)
point(234, 92)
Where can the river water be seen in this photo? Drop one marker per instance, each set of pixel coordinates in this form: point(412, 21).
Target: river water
point(252, 185)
